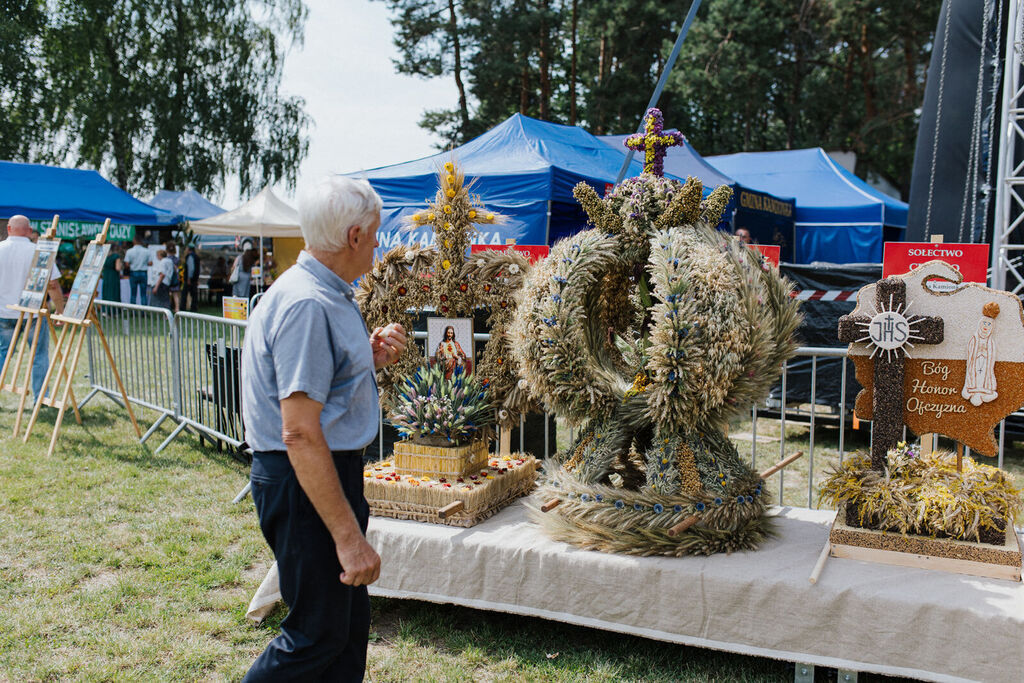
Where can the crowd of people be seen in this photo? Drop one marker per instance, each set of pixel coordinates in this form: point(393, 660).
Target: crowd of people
point(164, 279)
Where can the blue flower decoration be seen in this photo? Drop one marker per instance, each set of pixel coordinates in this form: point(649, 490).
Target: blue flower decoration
point(638, 507)
point(619, 505)
point(700, 507)
point(599, 498)
point(584, 497)
point(739, 499)
point(718, 501)
point(757, 492)
point(677, 508)
point(749, 499)
point(556, 298)
point(658, 508)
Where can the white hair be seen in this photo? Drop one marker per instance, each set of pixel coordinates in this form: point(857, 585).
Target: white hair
point(332, 206)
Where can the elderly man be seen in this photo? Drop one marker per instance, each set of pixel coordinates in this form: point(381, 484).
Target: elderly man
point(743, 235)
point(309, 397)
point(16, 255)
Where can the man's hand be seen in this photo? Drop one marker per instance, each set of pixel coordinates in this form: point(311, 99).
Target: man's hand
point(388, 344)
point(360, 564)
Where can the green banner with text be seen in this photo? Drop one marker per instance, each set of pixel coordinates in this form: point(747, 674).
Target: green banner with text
point(69, 230)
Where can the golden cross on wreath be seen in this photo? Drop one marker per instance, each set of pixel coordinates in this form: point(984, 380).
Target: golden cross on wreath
point(408, 279)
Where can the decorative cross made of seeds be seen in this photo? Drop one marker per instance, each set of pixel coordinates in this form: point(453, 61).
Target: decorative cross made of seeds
point(653, 142)
point(889, 333)
point(409, 279)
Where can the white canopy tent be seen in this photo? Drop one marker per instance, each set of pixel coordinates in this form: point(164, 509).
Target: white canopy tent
point(265, 215)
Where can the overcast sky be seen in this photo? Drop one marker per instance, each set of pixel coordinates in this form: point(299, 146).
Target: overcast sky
point(364, 113)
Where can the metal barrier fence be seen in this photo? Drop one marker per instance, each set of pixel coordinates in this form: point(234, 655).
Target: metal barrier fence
point(186, 367)
point(142, 341)
point(209, 365)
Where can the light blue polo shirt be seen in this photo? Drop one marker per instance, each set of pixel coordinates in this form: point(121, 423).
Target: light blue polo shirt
point(307, 334)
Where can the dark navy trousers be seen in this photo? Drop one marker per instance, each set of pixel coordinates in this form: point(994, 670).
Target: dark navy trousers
point(325, 634)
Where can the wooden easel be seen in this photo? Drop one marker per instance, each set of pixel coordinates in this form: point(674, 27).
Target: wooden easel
point(16, 375)
point(64, 363)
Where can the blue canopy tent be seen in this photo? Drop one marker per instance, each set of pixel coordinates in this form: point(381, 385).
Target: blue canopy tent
point(767, 217)
point(523, 168)
point(189, 204)
point(83, 199)
point(839, 217)
point(192, 206)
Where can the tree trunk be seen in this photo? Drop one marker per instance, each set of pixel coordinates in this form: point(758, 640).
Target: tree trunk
point(524, 89)
point(120, 142)
point(179, 104)
point(544, 58)
point(572, 68)
point(453, 27)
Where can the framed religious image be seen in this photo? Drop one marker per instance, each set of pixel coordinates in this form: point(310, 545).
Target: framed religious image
point(450, 343)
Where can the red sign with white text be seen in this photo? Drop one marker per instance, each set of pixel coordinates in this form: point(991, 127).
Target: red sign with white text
point(770, 252)
point(970, 259)
point(534, 252)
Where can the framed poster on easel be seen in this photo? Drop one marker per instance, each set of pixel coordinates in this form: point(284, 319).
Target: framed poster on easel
point(33, 322)
point(76, 320)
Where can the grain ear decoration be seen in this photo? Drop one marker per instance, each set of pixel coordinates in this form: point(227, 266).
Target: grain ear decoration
point(695, 330)
point(924, 494)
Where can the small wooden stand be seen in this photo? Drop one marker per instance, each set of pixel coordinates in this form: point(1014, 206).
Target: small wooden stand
point(16, 375)
point(64, 363)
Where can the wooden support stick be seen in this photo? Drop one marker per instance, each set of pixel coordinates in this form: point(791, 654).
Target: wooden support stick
point(820, 564)
point(683, 525)
point(24, 388)
point(960, 458)
point(58, 359)
point(550, 505)
point(450, 509)
point(504, 440)
point(779, 465)
point(83, 330)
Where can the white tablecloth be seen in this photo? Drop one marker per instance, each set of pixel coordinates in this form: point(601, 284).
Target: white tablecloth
point(860, 616)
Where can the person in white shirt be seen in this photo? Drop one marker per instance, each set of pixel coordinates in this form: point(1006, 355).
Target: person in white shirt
point(160, 279)
point(138, 261)
point(16, 255)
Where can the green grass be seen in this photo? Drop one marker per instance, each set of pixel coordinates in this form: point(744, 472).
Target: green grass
point(120, 564)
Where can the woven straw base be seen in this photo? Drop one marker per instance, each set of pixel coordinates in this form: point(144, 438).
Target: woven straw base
point(392, 494)
point(440, 461)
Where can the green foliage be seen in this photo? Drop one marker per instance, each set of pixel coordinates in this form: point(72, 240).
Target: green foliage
point(438, 411)
point(20, 82)
point(751, 76)
point(168, 95)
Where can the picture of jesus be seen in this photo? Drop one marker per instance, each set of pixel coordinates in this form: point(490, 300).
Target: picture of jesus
point(450, 342)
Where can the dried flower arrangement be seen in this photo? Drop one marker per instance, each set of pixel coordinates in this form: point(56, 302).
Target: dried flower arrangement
point(436, 411)
point(654, 330)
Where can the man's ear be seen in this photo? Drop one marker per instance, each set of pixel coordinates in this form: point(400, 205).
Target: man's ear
point(355, 236)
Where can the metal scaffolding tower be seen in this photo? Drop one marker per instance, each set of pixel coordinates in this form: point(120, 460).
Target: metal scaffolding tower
point(1008, 234)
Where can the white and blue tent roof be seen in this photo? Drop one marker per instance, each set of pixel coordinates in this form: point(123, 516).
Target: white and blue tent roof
point(189, 204)
point(839, 217)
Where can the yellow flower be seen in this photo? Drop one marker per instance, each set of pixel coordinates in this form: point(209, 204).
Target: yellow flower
point(449, 226)
point(447, 208)
point(415, 216)
point(430, 216)
point(385, 464)
point(490, 216)
point(450, 179)
point(367, 473)
point(472, 214)
point(451, 193)
point(447, 244)
point(448, 166)
point(490, 476)
point(446, 264)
